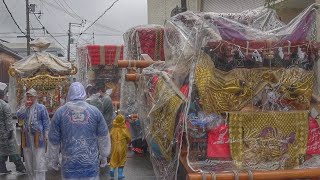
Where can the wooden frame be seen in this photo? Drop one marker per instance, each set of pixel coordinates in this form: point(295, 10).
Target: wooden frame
point(313, 174)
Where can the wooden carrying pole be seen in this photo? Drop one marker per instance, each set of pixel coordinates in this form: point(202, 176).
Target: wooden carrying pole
point(134, 63)
point(132, 77)
point(312, 174)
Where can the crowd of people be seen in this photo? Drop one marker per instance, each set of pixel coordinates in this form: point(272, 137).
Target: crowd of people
point(83, 135)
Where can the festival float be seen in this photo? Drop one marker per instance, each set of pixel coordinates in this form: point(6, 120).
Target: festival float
point(143, 45)
point(44, 72)
point(236, 98)
point(98, 65)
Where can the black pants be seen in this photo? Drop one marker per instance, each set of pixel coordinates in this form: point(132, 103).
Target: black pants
point(12, 158)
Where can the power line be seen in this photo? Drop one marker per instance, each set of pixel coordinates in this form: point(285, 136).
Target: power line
point(49, 32)
point(57, 34)
point(100, 16)
point(4, 41)
point(79, 17)
point(60, 9)
point(71, 8)
point(64, 8)
point(52, 13)
point(5, 4)
point(4, 18)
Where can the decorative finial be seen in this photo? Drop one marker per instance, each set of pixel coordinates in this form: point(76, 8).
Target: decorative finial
point(40, 44)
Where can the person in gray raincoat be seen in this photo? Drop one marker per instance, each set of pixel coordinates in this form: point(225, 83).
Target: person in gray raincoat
point(94, 98)
point(8, 143)
point(107, 107)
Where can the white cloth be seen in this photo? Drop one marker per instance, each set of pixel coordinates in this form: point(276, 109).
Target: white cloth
point(35, 160)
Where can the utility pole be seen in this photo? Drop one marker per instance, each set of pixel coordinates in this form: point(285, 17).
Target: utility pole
point(28, 26)
point(69, 41)
point(69, 38)
point(183, 5)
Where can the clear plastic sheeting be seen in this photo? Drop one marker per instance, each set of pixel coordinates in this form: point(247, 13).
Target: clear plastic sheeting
point(144, 39)
point(161, 119)
point(233, 95)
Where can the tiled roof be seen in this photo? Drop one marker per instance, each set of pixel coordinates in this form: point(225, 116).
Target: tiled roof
point(9, 51)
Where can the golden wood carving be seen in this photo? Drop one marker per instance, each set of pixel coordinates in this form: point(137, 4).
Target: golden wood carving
point(221, 91)
point(47, 86)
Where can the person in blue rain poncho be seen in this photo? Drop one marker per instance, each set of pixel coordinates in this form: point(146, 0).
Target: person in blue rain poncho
point(81, 132)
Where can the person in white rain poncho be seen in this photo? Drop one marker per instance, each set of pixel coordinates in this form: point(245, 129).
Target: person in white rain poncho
point(83, 134)
point(34, 135)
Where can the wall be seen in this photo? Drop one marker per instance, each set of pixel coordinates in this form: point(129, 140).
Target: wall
point(286, 15)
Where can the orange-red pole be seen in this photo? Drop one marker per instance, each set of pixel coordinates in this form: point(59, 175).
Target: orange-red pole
point(132, 77)
point(134, 63)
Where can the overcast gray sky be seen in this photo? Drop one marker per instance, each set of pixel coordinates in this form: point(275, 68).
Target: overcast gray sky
point(58, 13)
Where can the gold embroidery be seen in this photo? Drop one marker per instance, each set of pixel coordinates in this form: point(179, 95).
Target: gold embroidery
point(268, 140)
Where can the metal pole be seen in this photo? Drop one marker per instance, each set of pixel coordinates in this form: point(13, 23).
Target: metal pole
point(69, 41)
point(93, 38)
point(28, 27)
point(183, 5)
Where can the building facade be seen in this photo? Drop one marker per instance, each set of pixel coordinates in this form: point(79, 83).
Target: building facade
point(7, 57)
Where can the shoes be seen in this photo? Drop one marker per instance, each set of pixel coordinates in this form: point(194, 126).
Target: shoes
point(120, 173)
point(3, 168)
point(112, 172)
point(137, 150)
point(5, 171)
point(20, 167)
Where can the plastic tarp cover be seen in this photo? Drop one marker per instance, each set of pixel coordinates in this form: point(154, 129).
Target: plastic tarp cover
point(235, 94)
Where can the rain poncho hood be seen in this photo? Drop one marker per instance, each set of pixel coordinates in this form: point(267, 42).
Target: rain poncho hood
point(76, 92)
point(119, 121)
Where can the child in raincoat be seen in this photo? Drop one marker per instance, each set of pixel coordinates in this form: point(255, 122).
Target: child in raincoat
point(120, 138)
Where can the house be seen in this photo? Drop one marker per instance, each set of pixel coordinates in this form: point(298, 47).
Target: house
point(160, 11)
point(7, 57)
point(21, 49)
point(289, 9)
